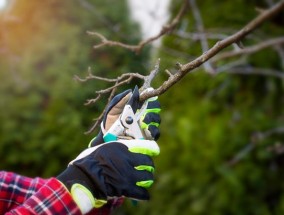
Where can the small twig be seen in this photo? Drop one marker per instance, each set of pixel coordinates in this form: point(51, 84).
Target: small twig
point(100, 118)
point(279, 49)
point(198, 36)
point(137, 48)
point(148, 79)
point(168, 72)
point(106, 42)
point(200, 28)
point(90, 76)
point(175, 53)
point(268, 133)
point(121, 80)
point(241, 154)
point(232, 64)
point(91, 101)
point(256, 138)
point(250, 49)
point(256, 71)
point(208, 35)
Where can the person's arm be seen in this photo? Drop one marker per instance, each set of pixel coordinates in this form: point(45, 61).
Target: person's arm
point(128, 161)
point(118, 167)
point(15, 189)
point(24, 195)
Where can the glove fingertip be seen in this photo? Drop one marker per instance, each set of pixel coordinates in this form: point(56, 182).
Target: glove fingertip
point(154, 105)
point(155, 132)
point(141, 194)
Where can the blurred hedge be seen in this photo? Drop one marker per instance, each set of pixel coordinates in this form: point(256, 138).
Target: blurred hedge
point(42, 112)
point(220, 149)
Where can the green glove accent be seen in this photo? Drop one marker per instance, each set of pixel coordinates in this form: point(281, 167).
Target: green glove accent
point(85, 199)
point(144, 151)
point(145, 167)
point(145, 184)
point(153, 110)
point(143, 125)
point(91, 142)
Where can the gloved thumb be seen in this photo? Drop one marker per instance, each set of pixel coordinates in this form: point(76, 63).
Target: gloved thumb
point(115, 108)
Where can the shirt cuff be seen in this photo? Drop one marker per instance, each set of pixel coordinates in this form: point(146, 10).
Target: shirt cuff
point(51, 198)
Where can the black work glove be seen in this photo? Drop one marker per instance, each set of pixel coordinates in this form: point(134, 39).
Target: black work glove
point(114, 169)
point(149, 121)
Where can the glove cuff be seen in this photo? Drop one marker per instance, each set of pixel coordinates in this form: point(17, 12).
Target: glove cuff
point(85, 199)
point(86, 195)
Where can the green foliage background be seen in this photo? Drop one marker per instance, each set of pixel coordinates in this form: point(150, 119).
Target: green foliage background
point(42, 112)
point(208, 121)
point(213, 160)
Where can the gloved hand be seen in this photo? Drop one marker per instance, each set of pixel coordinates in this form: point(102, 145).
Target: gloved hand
point(113, 169)
point(149, 121)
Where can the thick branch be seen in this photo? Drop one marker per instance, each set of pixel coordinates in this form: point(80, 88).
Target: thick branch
point(185, 69)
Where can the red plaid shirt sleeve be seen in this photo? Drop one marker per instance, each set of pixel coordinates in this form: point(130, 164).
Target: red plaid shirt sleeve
point(23, 195)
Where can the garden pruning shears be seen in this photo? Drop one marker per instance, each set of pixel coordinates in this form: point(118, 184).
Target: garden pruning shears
point(127, 124)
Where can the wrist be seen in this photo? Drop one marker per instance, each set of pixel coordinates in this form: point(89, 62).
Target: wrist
point(85, 199)
point(82, 190)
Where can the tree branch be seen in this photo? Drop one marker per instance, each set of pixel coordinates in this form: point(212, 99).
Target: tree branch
point(256, 71)
point(185, 69)
point(279, 49)
point(256, 138)
point(137, 48)
point(117, 82)
point(200, 29)
point(250, 49)
point(148, 79)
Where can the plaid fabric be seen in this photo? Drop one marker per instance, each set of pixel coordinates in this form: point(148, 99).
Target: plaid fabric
point(22, 195)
